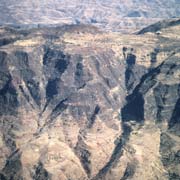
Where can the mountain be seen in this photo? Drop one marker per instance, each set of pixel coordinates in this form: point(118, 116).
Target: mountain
point(159, 25)
point(116, 15)
point(79, 103)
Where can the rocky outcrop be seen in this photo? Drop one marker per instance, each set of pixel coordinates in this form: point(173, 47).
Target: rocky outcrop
point(63, 97)
point(79, 104)
point(160, 25)
point(133, 72)
point(156, 99)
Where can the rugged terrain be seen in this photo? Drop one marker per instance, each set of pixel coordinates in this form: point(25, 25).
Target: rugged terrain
point(77, 103)
point(115, 15)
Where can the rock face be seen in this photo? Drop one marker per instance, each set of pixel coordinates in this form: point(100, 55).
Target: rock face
point(116, 15)
point(77, 103)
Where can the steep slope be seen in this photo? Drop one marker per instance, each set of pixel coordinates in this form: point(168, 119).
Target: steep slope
point(160, 25)
point(153, 105)
point(157, 99)
point(116, 15)
point(58, 105)
point(78, 103)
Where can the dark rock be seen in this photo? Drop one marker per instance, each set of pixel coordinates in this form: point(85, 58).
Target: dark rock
point(41, 173)
point(51, 88)
point(13, 168)
point(158, 26)
point(33, 88)
point(59, 109)
point(8, 99)
point(84, 155)
point(93, 117)
point(173, 176)
point(134, 109)
point(174, 123)
point(79, 79)
point(3, 62)
point(129, 172)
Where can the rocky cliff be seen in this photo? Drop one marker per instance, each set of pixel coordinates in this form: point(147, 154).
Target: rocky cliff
point(78, 103)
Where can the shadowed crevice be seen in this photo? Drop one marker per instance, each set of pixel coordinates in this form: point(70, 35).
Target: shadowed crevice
point(174, 123)
point(58, 109)
point(129, 172)
point(41, 173)
point(134, 109)
point(84, 155)
point(13, 167)
point(93, 116)
point(117, 153)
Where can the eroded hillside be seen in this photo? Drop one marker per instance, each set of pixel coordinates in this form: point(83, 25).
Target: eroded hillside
point(78, 103)
point(116, 15)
